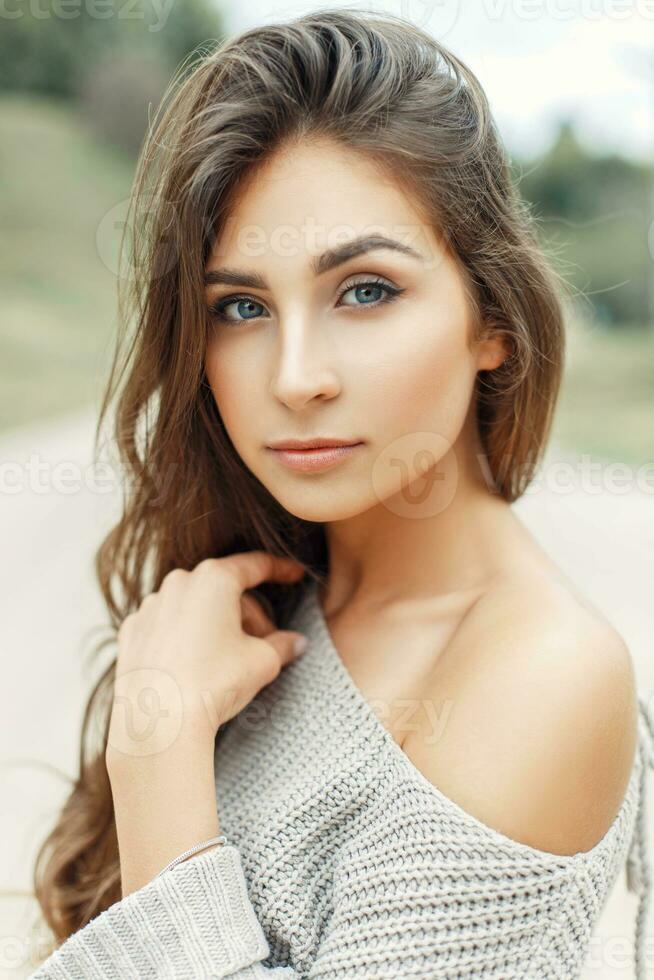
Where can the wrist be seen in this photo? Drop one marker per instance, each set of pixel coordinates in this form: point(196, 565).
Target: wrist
point(153, 743)
point(210, 844)
point(190, 749)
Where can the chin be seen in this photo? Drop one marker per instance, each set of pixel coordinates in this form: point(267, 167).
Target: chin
point(321, 503)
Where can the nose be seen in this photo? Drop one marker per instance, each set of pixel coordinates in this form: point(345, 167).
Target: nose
point(304, 365)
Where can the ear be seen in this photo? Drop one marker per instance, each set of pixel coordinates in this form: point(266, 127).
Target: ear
point(493, 348)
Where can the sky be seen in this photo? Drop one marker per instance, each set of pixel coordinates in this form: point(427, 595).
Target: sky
point(538, 61)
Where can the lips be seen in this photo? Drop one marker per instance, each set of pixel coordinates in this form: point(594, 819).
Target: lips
point(318, 442)
point(312, 456)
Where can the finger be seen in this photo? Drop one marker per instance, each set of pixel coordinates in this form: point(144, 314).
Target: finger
point(256, 621)
point(289, 644)
point(126, 627)
point(251, 568)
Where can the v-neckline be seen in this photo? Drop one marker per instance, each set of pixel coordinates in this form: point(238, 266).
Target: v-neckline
point(343, 675)
point(377, 732)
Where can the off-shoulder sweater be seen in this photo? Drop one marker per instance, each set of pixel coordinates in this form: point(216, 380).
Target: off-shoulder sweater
point(345, 862)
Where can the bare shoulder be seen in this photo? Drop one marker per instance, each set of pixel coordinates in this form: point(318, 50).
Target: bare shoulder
point(535, 705)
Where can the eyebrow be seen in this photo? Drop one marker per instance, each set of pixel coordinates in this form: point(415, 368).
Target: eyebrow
point(320, 264)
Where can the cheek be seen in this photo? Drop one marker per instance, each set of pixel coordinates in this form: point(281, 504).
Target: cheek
point(418, 407)
point(425, 383)
point(229, 373)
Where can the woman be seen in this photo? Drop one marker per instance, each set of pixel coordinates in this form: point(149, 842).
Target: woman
point(449, 779)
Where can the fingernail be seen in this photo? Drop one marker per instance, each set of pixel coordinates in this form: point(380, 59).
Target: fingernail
point(300, 645)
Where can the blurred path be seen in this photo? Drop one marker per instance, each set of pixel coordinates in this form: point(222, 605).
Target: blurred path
point(50, 602)
point(602, 538)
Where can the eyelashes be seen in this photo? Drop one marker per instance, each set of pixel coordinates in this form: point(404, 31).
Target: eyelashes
point(217, 310)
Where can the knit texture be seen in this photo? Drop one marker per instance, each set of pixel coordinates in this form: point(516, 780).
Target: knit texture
point(345, 862)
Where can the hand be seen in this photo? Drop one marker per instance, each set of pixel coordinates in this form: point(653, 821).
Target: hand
point(196, 652)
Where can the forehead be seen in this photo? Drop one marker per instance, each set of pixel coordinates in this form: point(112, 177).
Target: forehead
point(314, 195)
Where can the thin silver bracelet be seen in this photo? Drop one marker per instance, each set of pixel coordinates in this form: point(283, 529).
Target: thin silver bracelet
point(198, 847)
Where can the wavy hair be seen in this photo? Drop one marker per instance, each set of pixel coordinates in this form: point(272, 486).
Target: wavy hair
point(379, 86)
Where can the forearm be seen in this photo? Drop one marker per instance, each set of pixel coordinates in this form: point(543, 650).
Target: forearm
point(164, 803)
point(196, 920)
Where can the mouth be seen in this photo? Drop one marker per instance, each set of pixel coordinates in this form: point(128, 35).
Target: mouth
point(311, 455)
point(318, 442)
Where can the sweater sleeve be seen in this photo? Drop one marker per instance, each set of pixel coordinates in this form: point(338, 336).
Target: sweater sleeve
point(194, 921)
point(415, 918)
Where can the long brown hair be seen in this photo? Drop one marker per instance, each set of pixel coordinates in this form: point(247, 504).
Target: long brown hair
point(381, 87)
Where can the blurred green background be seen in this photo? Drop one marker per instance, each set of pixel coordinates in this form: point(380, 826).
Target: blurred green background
point(75, 98)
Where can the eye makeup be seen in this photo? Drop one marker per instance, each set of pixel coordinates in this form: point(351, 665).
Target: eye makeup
point(390, 293)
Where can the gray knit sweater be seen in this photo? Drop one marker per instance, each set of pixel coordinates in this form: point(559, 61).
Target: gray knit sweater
point(345, 862)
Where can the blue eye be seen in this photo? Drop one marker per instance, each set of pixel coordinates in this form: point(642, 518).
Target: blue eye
point(367, 287)
point(217, 311)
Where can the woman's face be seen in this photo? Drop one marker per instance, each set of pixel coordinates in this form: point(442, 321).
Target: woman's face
point(310, 339)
